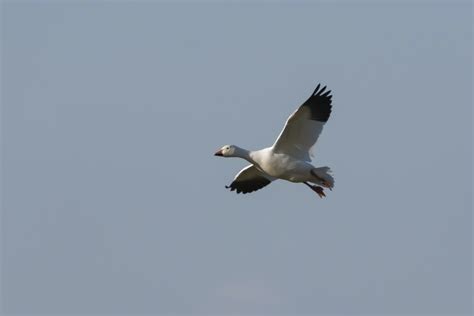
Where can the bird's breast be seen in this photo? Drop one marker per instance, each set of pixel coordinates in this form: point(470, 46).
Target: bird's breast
point(276, 165)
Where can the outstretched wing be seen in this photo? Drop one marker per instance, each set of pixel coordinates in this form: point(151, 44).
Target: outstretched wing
point(249, 179)
point(304, 126)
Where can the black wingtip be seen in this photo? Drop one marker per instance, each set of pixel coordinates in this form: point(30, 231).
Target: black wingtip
point(316, 90)
point(319, 104)
point(248, 186)
point(326, 94)
point(321, 91)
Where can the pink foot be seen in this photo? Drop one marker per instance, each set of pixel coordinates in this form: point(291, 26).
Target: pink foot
point(319, 191)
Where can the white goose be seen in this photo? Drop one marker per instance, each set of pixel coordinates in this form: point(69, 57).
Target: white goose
point(290, 156)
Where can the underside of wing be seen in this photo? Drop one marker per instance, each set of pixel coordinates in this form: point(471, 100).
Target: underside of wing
point(304, 126)
point(248, 180)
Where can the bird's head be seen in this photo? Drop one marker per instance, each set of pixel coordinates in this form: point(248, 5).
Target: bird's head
point(226, 151)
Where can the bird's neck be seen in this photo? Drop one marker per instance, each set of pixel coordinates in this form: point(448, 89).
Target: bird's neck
point(244, 154)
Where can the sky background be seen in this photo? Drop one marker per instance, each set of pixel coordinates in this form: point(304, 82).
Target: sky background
point(112, 200)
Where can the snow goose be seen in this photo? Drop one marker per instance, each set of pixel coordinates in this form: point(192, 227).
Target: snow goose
point(290, 156)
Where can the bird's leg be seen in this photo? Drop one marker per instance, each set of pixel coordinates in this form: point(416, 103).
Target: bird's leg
point(319, 190)
point(323, 182)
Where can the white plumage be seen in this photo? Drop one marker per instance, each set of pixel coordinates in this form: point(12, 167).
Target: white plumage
point(290, 156)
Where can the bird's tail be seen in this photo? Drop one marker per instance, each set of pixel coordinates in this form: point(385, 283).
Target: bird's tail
point(323, 177)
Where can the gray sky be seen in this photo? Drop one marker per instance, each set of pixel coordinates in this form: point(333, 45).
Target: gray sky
point(112, 200)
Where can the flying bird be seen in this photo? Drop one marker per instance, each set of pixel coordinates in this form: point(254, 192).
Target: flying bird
point(290, 156)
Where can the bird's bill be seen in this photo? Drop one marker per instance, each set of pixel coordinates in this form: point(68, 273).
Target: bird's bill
point(219, 153)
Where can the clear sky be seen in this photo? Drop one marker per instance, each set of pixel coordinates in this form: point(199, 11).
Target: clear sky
point(112, 200)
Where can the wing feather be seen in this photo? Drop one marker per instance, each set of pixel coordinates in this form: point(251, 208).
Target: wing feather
point(249, 179)
point(303, 127)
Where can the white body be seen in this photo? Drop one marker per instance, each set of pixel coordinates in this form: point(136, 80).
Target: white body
point(282, 166)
